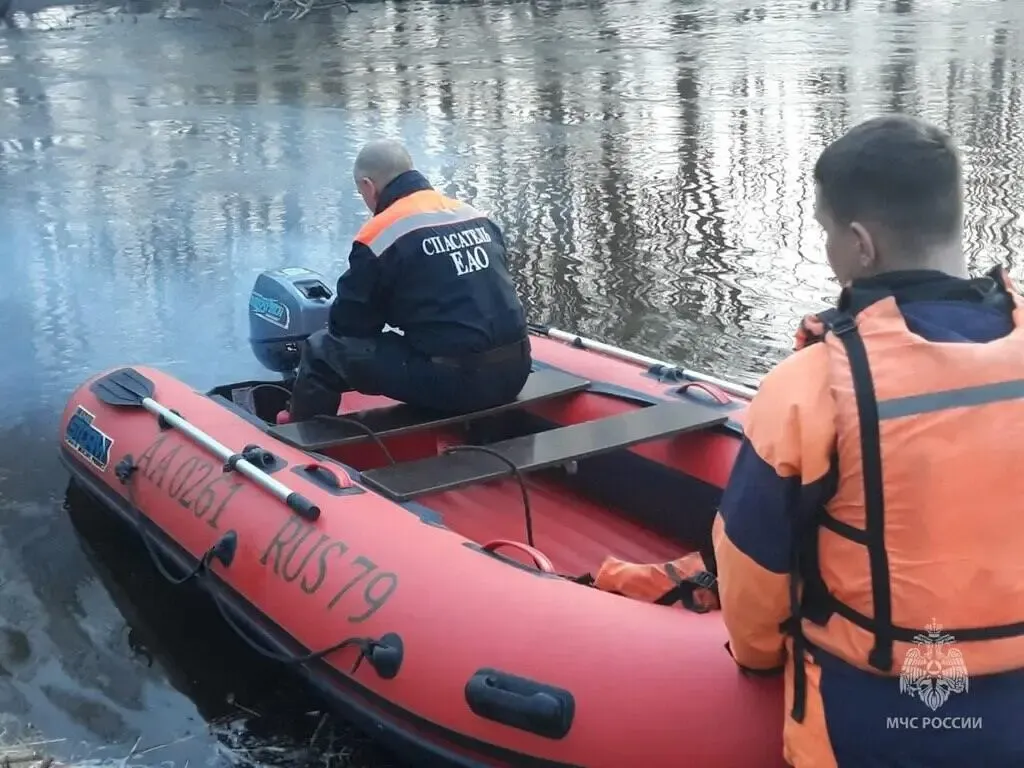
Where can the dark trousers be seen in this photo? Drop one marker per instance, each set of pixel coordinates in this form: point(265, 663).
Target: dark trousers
point(387, 365)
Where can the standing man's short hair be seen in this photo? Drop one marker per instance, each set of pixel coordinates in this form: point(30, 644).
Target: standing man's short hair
point(899, 173)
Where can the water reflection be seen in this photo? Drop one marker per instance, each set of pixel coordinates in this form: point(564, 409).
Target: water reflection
point(650, 163)
point(642, 212)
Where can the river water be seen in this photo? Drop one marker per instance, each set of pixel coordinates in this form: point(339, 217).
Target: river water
point(650, 162)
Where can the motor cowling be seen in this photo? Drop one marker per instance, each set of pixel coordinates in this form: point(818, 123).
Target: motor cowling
point(285, 306)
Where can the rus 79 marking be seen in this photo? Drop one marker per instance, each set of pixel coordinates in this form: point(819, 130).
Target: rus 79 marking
point(298, 553)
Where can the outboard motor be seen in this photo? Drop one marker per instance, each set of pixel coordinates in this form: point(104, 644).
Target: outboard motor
point(285, 306)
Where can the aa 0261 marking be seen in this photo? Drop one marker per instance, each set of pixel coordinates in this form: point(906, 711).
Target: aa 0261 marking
point(196, 482)
point(299, 553)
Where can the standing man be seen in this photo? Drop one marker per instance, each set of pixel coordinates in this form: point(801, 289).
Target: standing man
point(870, 541)
point(435, 268)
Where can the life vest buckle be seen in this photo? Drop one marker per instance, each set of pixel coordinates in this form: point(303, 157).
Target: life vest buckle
point(703, 579)
point(842, 323)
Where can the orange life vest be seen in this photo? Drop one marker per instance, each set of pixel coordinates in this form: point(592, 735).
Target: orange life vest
point(926, 522)
point(685, 580)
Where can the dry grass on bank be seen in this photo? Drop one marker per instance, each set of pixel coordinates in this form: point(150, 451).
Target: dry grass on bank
point(238, 741)
point(27, 755)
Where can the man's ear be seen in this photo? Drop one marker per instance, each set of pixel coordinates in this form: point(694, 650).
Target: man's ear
point(867, 255)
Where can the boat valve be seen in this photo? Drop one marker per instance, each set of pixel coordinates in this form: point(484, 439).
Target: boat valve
point(224, 550)
point(384, 655)
point(125, 468)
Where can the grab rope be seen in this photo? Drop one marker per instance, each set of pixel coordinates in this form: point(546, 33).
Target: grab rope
point(384, 654)
point(366, 430)
point(125, 472)
point(270, 385)
point(515, 473)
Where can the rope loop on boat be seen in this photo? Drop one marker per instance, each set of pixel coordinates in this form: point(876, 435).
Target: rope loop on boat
point(384, 654)
point(514, 470)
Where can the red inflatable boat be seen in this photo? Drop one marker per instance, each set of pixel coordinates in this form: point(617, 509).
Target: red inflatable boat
point(422, 569)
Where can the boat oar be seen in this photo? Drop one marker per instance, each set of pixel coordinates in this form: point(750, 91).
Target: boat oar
point(659, 367)
point(127, 388)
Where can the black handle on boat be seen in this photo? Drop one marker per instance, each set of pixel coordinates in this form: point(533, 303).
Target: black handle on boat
point(521, 703)
point(302, 506)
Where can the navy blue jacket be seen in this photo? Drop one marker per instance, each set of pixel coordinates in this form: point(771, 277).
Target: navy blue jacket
point(435, 268)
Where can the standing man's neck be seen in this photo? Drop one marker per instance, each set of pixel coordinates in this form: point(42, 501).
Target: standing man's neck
point(949, 259)
point(944, 258)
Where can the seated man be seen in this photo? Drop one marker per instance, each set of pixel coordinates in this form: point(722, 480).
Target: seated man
point(435, 268)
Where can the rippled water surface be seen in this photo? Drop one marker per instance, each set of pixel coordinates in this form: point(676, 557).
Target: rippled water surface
point(650, 162)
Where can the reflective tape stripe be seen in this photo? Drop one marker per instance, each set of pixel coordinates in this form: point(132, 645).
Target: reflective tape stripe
point(952, 398)
point(387, 236)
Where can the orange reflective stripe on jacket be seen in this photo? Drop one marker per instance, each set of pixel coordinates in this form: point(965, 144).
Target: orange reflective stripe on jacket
point(685, 580)
point(426, 208)
point(926, 525)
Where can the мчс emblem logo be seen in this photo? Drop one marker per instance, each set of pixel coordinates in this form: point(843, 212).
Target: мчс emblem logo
point(85, 439)
point(933, 670)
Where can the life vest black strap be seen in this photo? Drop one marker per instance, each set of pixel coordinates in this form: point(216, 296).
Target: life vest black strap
point(825, 317)
point(996, 273)
point(685, 587)
point(845, 530)
point(908, 635)
point(792, 627)
point(845, 328)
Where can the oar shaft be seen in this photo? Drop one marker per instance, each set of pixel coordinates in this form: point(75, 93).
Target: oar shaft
point(294, 500)
point(608, 349)
point(634, 357)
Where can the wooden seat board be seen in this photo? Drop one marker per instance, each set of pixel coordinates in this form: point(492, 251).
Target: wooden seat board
point(532, 452)
point(325, 432)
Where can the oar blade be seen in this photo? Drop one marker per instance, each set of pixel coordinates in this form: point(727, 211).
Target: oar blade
point(123, 387)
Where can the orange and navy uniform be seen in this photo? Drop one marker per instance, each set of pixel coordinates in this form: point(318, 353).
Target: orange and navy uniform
point(434, 267)
point(869, 541)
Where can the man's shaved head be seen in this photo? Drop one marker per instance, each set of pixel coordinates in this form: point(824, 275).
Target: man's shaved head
point(381, 161)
